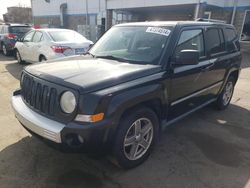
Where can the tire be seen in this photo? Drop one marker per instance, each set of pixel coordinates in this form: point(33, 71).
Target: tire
point(5, 51)
point(18, 57)
point(42, 58)
point(133, 154)
point(226, 95)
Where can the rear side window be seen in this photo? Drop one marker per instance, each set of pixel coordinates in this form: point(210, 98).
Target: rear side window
point(37, 37)
point(28, 37)
point(231, 39)
point(215, 41)
point(190, 40)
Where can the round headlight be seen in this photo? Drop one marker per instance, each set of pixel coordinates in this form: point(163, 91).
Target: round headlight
point(68, 102)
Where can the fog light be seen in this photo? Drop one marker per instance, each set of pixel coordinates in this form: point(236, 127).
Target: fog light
point(80, 138)
point(74, 140)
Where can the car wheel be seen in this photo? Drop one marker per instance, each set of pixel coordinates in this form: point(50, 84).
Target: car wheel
point(135, 137)
point(18, 57)
point(5, 51)
point(226, 95)
point(42, 59)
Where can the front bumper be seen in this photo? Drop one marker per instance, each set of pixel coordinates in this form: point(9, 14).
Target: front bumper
point(93, 136)
point(36, 123)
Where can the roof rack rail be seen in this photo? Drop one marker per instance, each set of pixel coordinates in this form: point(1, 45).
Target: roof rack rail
point(209, 20)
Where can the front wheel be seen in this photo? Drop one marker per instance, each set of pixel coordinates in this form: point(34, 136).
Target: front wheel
point(226, 95)
point(135, 137)
point(18, 57)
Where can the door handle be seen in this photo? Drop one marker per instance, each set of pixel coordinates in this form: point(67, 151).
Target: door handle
point(207, 67)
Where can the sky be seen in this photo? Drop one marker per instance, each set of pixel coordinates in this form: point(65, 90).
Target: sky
point(8, 3)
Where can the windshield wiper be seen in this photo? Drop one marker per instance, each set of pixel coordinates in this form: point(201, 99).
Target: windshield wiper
point(112, 58)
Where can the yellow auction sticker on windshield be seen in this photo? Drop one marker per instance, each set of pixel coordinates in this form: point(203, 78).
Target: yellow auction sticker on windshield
point(158, 30)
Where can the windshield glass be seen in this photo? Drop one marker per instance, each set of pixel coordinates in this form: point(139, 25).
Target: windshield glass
point(19, 29)
point(141, 44)
point(66, 36)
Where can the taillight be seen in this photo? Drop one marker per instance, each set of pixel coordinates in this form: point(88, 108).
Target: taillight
point(11, 36)
point(59, 49)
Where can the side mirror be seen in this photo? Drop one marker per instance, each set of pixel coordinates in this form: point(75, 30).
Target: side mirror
point(188, 57)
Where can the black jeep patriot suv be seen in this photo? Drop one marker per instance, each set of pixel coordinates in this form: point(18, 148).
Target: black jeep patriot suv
point(135, 81)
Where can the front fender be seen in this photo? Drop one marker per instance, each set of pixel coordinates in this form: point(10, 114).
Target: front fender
point(133, 97)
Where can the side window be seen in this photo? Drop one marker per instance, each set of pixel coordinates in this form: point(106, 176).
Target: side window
point(191, 40)
point(231, 39)
point(1, 29)
point(28, 37)
point(37, 37)
point(215, 42)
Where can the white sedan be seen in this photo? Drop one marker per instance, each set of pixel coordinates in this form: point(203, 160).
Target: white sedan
point(47, 44)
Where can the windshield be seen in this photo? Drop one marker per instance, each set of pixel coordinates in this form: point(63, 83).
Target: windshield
point(66, 36)
point(139, 44)
point(19, 29)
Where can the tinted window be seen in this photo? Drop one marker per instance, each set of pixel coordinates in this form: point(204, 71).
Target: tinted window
point(19, 29)
point(28, 37)
point(37, 37)
point(190, 40)
point(215, 41)
point(231, 38)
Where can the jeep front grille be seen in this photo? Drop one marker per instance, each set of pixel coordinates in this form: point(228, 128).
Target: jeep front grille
point(38, 95)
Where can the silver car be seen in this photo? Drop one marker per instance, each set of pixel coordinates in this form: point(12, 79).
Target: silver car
point(47, 44)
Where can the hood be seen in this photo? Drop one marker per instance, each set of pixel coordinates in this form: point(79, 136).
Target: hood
point(89, 74)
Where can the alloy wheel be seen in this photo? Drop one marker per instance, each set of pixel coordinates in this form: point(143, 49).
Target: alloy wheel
point(138, 139)
point(227, 95)
point(4, 49)
point(18, 56)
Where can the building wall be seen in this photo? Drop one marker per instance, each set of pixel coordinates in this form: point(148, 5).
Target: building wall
point(18, 15)
point(49, 13)
point(42, 8)
point(48, 21)
point(239, 18)
point(123, 4)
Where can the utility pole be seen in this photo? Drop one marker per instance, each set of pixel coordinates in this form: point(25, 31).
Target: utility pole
point(87, 12)
point(197, 10)
point(234, 11)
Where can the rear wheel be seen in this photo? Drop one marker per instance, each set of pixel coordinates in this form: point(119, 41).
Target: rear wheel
point(18, 57)
point(226, 95)
point(5, 51)
point(42, 58)
point(135, 137)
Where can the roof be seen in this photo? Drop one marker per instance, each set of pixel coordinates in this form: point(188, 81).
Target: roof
point(171, 23)
point(52, 29)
